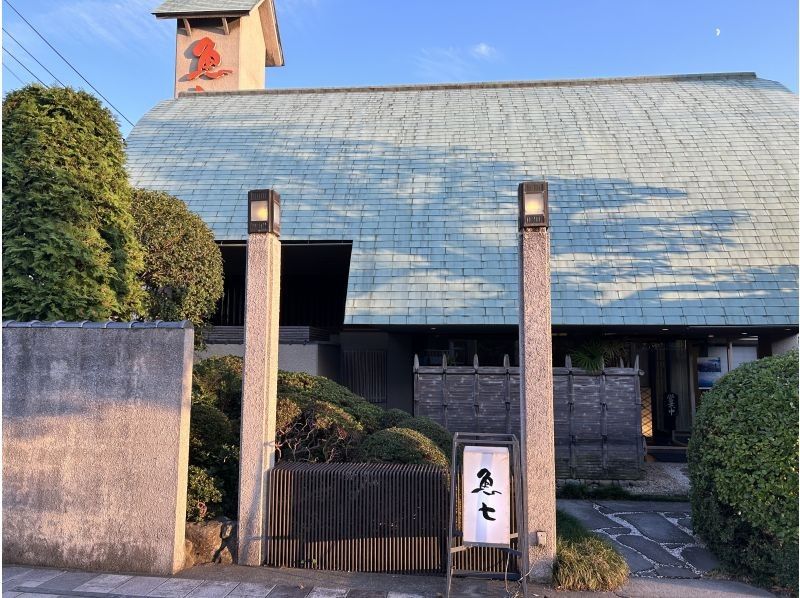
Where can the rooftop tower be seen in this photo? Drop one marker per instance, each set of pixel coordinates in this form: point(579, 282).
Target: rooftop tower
point(223, 45)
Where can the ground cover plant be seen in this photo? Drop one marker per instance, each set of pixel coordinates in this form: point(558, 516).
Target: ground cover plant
point(318, 421)
point(584, 561)
point(743, 468)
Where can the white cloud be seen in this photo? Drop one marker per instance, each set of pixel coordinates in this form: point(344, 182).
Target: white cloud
point(483, 51)
point(443, 64)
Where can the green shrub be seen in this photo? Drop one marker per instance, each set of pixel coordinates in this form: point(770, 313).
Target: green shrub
point(69, 249)
point(217, 381)
point(584, 561)
point(209, 431)
point(182, 273)
point(203, 495)
point(318, 387)
point(393, 418)
point(401, 445)
point(743, 469)
point(315, 431)
point(432, 431)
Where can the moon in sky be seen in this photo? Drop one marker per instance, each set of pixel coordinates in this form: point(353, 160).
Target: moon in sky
point(717, 31)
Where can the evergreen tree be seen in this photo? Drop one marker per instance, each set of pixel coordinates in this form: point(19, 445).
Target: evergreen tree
point(69, 249)
point(182, 264)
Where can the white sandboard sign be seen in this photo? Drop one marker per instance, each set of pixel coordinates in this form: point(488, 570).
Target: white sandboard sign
point(486, 483)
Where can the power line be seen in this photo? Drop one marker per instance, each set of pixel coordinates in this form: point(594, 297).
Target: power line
point(17, 60)
point(68, 62)
point(34, 57)
point(17, 77)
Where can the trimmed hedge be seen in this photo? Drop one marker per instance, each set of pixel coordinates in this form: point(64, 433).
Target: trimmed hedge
point(300, 384)
point(743, 468)
point(318, 421)
point(401, 445)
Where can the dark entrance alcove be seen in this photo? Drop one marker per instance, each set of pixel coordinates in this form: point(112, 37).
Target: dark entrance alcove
point(313, 284)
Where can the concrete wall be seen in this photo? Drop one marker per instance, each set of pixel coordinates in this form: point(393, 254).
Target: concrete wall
point(96, 444)
point(784, 345)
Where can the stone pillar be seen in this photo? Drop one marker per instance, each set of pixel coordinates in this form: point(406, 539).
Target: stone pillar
point(536, 401)
point(259, 393)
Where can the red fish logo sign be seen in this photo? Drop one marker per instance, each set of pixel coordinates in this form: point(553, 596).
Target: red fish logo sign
point(207, 60)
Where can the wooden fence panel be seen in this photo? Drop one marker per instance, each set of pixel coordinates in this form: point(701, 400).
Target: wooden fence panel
point(597, 416)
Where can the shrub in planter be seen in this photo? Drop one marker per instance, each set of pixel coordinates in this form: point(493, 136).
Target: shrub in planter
point(203, 495)
point(743, 469)
point(401, 445)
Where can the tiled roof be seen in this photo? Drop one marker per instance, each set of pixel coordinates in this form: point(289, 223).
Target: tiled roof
point(673, 201)
point(187, 7)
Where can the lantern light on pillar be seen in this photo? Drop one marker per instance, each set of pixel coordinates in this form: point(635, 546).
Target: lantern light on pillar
point(533, 211)
point(264, 211)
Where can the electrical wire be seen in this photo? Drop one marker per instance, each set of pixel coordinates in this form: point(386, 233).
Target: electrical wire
point(60, 55)
point(17, 60)
point(24, 49)
point(13, 74)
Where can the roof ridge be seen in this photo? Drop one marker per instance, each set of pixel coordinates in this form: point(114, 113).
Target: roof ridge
point(744, 75)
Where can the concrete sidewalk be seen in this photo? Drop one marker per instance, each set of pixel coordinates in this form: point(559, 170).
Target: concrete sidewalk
point(231, 581)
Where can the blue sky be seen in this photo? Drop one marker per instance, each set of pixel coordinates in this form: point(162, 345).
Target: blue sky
point(129, 55)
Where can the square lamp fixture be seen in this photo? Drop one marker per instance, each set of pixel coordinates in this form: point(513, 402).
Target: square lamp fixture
point(533, 205)
point(264, 211)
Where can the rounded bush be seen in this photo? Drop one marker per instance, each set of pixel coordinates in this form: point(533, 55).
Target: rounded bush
point(401, 445)
point(432, 431)
point(320, 388)
point(743, 469)
point(182, 263)
point(393, 418)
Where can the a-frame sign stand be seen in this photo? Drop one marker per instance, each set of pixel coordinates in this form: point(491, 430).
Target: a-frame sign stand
point(456, 529)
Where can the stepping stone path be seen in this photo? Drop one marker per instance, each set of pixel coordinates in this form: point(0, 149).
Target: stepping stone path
point(655, 538)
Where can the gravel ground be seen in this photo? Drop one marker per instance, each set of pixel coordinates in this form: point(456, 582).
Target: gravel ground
point(661, 479)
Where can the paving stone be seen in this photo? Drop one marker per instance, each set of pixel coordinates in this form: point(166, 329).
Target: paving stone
point(140, 586)
point(251, 590)
point(11, 594)
point(327, 593)
point(175, 588)
point(35, 577)
point(657, 528)
point(11, 572)
point(103, 584)
point(686, 522)
point(401, 595)
point(616, 531)
point(636, 562)
point(676, 572)
point(213, 589)
point(648, 548)
point(583, 511)
point(366, 594)
point(643, 506)
point(281, 591)
point(66, 582)
point(37, 595)
point(700, 558)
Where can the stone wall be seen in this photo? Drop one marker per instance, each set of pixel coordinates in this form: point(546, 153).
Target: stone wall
point(95, 444)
